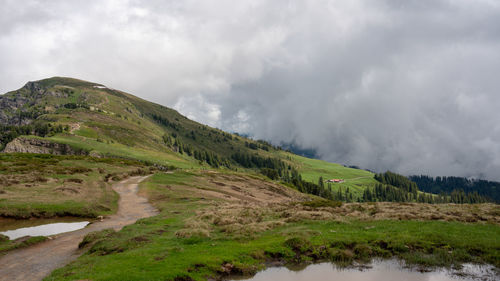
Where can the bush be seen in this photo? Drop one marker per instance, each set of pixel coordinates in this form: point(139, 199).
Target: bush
point(363, 251)
point(342, 256)
point(298, 244)
point(138, 172)
point(270, 173)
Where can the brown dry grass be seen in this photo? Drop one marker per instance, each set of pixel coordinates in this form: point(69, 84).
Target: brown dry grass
point(244, 206)
point(248, 219)
point(486, 213)
point(237, 204)
point(235, 188)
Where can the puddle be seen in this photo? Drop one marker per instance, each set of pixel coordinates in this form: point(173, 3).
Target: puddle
point(379, 270)
point(39, 227)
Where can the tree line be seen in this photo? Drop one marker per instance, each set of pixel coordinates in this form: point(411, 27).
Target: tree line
point(396, 180)
point(41, 129)
point(388, 193)
point(204, 156)
point(277, 169)
point(164, 121)
point(437, 185)
point(393, 187)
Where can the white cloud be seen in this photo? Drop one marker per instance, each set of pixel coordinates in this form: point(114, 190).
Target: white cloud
point(410, 86)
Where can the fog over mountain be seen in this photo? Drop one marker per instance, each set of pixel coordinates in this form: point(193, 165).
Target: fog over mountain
point(410, 86)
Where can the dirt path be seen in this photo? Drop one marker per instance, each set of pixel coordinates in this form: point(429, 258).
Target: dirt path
point(74, 127)
point(36, 262)
point(356, 178)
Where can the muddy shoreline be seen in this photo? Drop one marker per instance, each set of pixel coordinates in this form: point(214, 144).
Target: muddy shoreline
point(483, 272)
point(37, 261)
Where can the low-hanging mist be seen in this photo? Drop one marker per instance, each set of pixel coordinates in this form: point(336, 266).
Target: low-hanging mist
point(408, 86)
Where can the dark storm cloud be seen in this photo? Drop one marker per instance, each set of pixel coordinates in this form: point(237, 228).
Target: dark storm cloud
point(410, 86)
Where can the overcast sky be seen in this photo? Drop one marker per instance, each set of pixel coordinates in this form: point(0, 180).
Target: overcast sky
point(411, 86)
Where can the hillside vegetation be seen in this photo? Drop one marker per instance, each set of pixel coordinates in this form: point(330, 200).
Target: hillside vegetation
point(69, 116)
point(438, 185)
point(98, 121)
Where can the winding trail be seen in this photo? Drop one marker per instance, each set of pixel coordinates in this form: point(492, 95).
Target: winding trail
point(36, 262)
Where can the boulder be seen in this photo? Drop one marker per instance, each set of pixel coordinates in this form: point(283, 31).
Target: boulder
point(42, 146)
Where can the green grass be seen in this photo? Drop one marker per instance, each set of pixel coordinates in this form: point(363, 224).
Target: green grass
point(355, 179)
point(87, 132)
point(9, 245)
point(120, 150)
point(151, 250)
point(37, 185)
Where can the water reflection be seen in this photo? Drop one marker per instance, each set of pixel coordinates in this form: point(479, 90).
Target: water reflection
point(385, 270)
point(39, 227)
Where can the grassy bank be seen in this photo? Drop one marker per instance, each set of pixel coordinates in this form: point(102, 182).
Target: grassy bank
point(35, 185)
point(208, 228)
point(8, 245)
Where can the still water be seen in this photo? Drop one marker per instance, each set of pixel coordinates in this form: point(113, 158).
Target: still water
point(382, 270)
point(39, 227)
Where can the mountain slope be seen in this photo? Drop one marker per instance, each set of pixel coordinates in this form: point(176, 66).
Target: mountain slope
point(97, 120)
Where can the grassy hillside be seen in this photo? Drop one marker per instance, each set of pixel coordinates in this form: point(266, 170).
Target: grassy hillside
point(354, 179)
point(112, 123)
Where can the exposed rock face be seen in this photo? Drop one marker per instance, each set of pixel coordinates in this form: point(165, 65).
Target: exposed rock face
point(23, 100)
point(34, 87)
point(29, 145)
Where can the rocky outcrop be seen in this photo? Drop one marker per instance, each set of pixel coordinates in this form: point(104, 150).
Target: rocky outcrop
point(33, 145)
point(16, 107)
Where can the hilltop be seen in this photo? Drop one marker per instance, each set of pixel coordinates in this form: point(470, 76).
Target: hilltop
point(70, 116)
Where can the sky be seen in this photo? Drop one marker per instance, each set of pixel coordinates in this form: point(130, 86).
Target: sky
point(410, 86)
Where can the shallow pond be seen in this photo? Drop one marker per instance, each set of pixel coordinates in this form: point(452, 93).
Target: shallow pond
point(39, 227)
point(379, 270)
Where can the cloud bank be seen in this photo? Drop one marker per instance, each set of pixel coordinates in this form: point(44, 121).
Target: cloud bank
point(409, 86)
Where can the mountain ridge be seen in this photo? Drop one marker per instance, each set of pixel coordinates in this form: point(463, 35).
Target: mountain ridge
point(99, 121)
point(62, 115)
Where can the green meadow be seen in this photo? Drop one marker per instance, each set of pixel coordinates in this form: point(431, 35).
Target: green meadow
point(152, 249)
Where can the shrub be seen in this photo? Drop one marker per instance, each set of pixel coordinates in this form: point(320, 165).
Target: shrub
point(342, 256)
point(298, 244)
point(363, 251)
